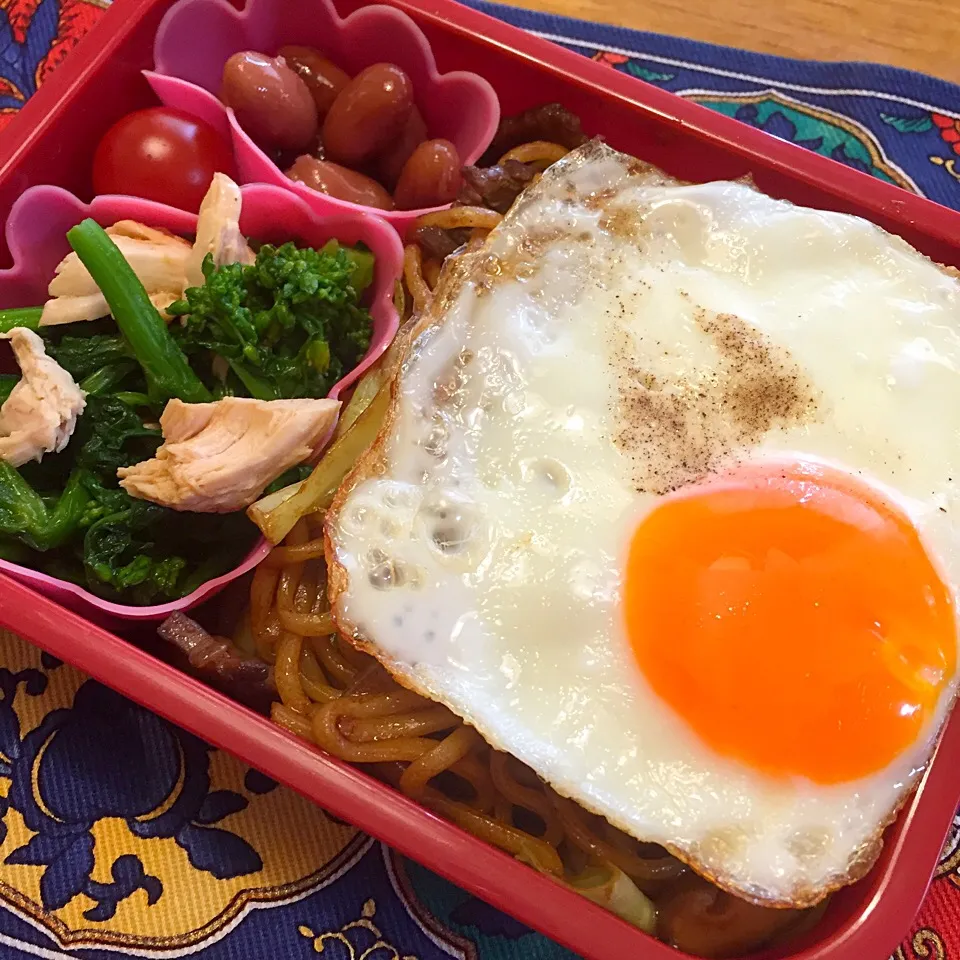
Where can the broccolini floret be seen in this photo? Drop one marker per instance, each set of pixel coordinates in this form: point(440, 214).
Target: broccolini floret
point(287, 326)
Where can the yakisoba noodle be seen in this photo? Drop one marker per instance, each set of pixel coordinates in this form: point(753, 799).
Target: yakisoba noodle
point(345, 702)
point(539, 154)
point(421, 276)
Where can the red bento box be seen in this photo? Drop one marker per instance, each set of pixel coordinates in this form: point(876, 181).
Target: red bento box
point(52, 142)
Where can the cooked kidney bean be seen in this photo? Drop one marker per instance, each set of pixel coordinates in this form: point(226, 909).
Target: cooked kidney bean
point(390, 164)
point(339, 182)
point(324, 78)
point(272, 104)
point(430, 177)
point(368, 115)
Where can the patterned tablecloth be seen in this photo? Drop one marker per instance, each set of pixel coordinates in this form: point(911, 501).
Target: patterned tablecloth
point(122, 834)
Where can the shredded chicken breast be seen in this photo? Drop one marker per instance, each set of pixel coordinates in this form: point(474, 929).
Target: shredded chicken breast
point(218, 457)
point(158, 259)
point(165, 264)
point(41, 412)
point(218, 230)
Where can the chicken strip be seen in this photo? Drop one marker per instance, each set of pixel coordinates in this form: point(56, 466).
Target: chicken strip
point(158, 259)
point(165, 264)
point(41, 412)
point(218, 230)
point(218, 457)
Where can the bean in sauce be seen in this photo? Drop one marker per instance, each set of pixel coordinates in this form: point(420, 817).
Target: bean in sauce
point(369, 113)
point(336, 134)
point(272, 104)
point(391, 163)
point(323, 77)
point(340, 182)
point(430, 177)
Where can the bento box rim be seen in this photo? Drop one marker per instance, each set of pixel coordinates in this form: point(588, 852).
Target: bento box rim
point(898, 884)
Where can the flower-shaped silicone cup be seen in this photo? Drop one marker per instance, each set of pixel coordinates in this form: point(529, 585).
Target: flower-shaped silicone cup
point(197, 37)
point(36, 235)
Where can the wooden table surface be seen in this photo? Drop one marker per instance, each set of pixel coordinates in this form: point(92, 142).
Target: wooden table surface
point(920, 35)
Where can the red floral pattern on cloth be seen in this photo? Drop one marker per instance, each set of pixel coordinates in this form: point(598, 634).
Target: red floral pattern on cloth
point(19, 14)
point(936, 928)
point(76, 19)
point(935, 933)
point(949, 128)
point(611, 59)
point(42, 33)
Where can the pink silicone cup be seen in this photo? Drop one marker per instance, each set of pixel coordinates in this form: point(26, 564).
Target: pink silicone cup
point(197, 37)
point(36, 234)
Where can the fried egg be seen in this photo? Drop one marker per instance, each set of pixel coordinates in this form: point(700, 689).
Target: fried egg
point(665, 506)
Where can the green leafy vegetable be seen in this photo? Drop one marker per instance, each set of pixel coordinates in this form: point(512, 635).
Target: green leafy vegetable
point(116, 552)
point(163, 363)
point(118, 547)
point(14, 551)
point(288, 326)
point(106, 378)
point(25, 515)
point(112, 435)
point(133, 398)
point(99, 362)
point(146, 553)
point(28, 317)
point(82, 356)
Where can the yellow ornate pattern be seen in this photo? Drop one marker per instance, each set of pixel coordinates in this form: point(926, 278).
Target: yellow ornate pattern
point(361, 938)
point(926, 944)
point(950, 855)
point(211, 864)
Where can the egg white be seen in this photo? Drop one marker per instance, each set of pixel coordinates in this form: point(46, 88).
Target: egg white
point(482, 556)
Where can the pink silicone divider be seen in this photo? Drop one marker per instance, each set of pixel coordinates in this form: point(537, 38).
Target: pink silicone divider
point(36, 235)
point(197, 37)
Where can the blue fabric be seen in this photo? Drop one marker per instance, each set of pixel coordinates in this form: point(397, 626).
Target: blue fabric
point(121, 833)
point(898, 125)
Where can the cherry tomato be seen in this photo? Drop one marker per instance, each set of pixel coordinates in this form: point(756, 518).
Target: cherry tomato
point(161, 154)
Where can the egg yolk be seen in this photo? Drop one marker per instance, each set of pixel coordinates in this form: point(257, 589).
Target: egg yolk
point(791, 616)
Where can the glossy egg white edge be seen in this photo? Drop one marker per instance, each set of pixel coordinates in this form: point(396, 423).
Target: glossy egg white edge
point(494, 504)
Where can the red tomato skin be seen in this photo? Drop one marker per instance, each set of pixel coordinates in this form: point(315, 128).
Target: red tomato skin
point(161, 154)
